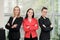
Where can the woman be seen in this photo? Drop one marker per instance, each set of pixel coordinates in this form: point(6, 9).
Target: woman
point(45, 25)
point(14, 24)
point(30, 25)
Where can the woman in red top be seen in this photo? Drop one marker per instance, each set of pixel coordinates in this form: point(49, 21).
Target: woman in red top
point(30, 25)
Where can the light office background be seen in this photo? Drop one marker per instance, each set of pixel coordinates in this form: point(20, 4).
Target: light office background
point(6, 10)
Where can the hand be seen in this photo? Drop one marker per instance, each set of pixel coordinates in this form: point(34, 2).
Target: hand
point(28, 26)
point(14, 26)
point(8, 24)
point(36, 25)
point(44, 25)
point(51, 26)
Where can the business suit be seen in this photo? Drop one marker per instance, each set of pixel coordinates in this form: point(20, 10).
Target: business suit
point(45, 31)
point(14, 33)
point(30, 29)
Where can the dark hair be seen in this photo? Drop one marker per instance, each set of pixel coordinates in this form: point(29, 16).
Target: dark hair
point(44, 8)
point(28, 11)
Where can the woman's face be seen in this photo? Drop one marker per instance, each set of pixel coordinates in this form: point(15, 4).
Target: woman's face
point(16, 11)
point(44, 12)
point(30, 13)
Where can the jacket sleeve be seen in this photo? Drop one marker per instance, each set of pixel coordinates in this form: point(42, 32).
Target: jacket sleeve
point(35, 26)
point(7, 26)
point(49, 28)
point(44, 28)
point(25, 27)
point(18, 25)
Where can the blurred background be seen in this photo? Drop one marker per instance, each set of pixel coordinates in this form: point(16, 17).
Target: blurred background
point(6, 10)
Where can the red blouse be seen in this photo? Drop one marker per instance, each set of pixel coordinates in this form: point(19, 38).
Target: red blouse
point(30, 27)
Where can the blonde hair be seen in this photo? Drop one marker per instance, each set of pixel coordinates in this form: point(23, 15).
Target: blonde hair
point(19, 10)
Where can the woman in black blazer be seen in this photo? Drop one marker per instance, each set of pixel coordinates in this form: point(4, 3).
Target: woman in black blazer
point(45, 25)
point(14, 25)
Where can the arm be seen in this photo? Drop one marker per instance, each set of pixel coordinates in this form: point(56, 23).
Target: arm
point(50, 27)
point(25, 27)
point(35, 26)
point(8, 26)
point(43, 27)
point(16, 26)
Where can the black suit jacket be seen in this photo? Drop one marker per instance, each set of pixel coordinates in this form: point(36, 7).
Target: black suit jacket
point(45, 32)
point(14, 32)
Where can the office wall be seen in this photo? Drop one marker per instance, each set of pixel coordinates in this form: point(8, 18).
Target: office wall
point(1, 13)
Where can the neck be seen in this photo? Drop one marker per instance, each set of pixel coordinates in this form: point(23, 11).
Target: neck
point(43, 16)
point(29, 17)
point(15, 15)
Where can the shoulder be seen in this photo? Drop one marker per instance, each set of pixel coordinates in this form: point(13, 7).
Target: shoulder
point(40, 19)
point(10, 17)
point(25, 19)
point(47, 18)
point(34, 19)
point(21, 18)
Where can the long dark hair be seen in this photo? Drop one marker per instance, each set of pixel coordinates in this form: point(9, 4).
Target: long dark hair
point(28, 11)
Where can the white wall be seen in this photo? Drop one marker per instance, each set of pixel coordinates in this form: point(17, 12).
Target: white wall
point(1, 13)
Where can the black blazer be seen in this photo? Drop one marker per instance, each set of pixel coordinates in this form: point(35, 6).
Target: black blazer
point(14, 32)
point(45, 32)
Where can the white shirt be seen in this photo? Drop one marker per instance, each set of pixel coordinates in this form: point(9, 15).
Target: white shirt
point(13, 20)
